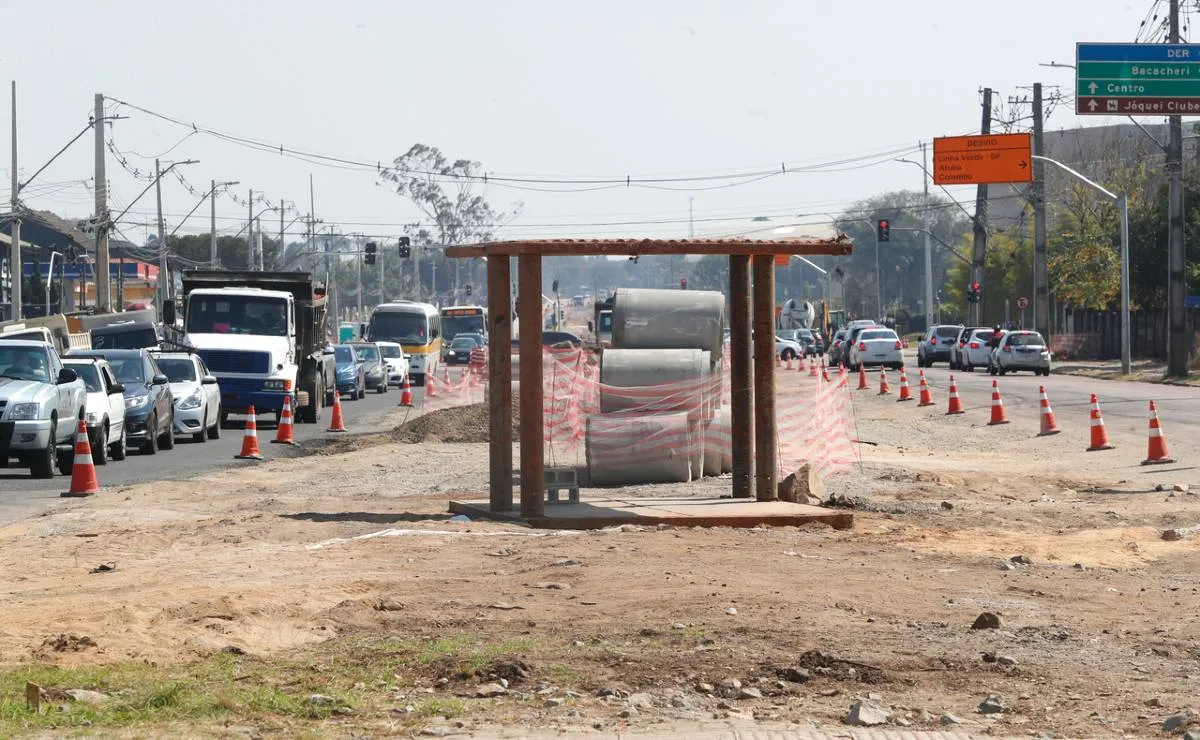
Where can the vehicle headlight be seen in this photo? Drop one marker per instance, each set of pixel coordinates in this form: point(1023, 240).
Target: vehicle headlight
point(345, 372)
point(23, 411)
point(93, 418)
point(450, 352)
point(191, 402)
point(277, 384)
point(136, 402)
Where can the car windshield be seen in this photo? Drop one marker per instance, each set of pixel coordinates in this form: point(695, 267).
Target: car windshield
point(236, 314)
point(804, 334)
point(25, 363)
point(128, 369)
point(947, 332)
point(132, 337)
point(343, 354)
point(177, 369)
point(877, 334)
point(88, 372)
point(390, 352)
point(983, 335)
point(1032, 339)
point(463, 343)
point(452, 326)
point(404, 328)
point(367, 352)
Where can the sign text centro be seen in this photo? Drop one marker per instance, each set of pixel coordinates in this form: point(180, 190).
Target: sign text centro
point(981, 160)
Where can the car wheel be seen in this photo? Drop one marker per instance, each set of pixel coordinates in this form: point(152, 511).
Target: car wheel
point(120, 448)
point(223, 420)
point(100, 445)
point(214, 432)
point(202, 435)
point(968, 368)
point(1001, 371)
point(167, 442)
point(150, 446)
point(42, 463)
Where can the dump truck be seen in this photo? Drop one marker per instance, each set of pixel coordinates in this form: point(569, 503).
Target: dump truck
point(262, 334)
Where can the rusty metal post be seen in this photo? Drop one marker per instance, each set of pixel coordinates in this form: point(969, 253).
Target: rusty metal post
point(741, 377)
point(766, 465)
point(529, 297)
point(500, 462)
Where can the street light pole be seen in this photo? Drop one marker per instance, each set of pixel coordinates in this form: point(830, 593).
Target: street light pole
point(878, 278)
point(923, 164)
point(1122, 204)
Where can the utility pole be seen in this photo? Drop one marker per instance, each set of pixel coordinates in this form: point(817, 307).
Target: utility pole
point(281, 229)
point(212, 241)
point(1041, 279)
point(691, 219)
point(16, 268)
point(928, 248)
point(103, 284)
point(250, 231)
point(1180, 341)
point(979, 251)
point(358, 249)
point(163, 274)
point(258, 242)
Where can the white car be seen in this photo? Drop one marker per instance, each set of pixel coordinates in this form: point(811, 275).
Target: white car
point(42, 402)
point(976, 351)
point(104, 407)
point(195, 393)
point(395, 360)
point(1021, 350)
point(876, 346)
point(786, 349)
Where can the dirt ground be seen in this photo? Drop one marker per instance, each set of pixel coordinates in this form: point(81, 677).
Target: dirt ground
point(350, 551)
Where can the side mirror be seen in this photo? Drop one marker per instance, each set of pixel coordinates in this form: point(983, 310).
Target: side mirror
point(169, 312)
point(327, 351)
point(116, 388)
point(208, 380)
point(67, 375)
point(159, 379)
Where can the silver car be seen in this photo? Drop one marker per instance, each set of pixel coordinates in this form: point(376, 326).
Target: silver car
point(976, 351)
point(876, 346)
point(195, 393)
point(1020, 350)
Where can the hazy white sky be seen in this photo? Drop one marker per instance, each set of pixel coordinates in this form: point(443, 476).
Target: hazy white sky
point(553, 88)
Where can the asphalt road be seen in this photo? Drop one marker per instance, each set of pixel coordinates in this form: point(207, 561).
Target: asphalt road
point(21, 495)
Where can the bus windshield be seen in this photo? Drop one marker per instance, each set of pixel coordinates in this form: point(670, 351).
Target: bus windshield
point(403, 328)
point(453, 325)
point(237, 314)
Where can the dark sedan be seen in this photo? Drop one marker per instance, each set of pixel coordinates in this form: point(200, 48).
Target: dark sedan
point(149, 407)
point(459, 351)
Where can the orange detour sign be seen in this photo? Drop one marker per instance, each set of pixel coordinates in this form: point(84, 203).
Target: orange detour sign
point(980, 160)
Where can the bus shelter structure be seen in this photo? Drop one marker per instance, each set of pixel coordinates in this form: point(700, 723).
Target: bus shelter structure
point(752, 352)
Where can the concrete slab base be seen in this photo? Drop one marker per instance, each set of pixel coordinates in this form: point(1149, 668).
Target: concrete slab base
point(597, 513)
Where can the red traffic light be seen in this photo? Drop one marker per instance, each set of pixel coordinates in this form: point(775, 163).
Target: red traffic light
point(976, 286)
point(883, 224)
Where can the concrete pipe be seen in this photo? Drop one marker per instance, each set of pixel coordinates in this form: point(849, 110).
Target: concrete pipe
point(638, 449)
point(652, 381)
point(669, 319)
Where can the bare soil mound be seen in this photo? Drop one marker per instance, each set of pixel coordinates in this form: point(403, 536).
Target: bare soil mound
point(457, 424)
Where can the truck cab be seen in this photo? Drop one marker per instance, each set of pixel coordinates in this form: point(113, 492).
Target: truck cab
point(247, 337)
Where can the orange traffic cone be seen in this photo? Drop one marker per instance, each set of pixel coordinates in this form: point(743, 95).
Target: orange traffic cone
point(955, 406)
point(905, 393)
point(1049, 425)
point(926, 394)
point(998, 415)
point(788, 366)
point(1099, 433)
point(812, 368)
point(406, 398)
point(83, 471)
point(862, 378)
point(337, 424)
point(446, 376)
point(430, 385)
point(1157, 453)
point(884, 388)
point(283, 435)
point(825, 371)
point(250, 439)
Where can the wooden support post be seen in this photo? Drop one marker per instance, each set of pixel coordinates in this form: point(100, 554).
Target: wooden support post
point(741, 377)
point(533, 476)
point(766, 479)
point(500, 461)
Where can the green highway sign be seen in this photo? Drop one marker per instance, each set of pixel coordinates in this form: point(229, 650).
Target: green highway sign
point(1137, 79)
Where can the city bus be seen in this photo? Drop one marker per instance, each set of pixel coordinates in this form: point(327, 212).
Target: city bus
point(463, 320)
point(417, 327)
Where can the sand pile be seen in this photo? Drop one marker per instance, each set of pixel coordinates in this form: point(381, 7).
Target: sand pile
point(457, 424)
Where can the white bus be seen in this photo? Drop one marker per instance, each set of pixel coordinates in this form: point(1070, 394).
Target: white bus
point(417, 327)
point(463, 320)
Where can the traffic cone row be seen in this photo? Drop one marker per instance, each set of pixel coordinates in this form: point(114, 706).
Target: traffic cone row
point(812, 367)
point(862, 378)
point(955, 406)
point(250, 449)
point(926, 394)
point(884, 388)
point(1099, 433)
point(998, 415)
point(1157, 453)
point(336, 424)
point(283, 435)
point(1049, 424)
point(406, 395)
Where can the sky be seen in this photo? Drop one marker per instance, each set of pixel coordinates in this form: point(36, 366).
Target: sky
point(532, 89)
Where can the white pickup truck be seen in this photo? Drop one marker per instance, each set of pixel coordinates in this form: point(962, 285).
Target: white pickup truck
point(40, 405)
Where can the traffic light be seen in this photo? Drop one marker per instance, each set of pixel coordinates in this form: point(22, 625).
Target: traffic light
point(554, 287)
point(974, 291)
point(405, 248)
point(369, 257)
point(467, 289)
point(884, 230)
point(683, 283)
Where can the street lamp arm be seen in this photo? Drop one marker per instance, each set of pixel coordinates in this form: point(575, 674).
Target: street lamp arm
point(952, 199)
point(1067, 169)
